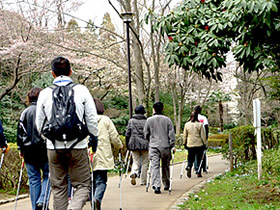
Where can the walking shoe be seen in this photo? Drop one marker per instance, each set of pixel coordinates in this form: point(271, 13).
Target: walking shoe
point(199, 175)
point(189, 172)
point(166, 188)
point(39, 206)
point(157, 190)
point(133, 179)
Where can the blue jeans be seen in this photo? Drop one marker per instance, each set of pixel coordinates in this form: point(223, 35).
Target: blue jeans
point(99, 184)
point(37, 188)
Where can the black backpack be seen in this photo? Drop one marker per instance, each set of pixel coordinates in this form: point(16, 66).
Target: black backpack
point(64, 124)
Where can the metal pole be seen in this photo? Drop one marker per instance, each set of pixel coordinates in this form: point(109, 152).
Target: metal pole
point(129, 68)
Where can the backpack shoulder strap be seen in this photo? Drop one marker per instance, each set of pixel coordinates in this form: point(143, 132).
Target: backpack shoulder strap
point(71, 84)
point(53, 86)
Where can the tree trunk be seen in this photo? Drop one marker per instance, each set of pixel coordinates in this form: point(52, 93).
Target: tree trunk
point(221, 113)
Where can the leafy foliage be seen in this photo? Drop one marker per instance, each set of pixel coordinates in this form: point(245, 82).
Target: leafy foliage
point(9, 174)
point(201, 33)
point(244, 143)
point(198, 40)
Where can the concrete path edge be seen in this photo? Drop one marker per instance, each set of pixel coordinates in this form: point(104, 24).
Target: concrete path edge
point(195, 189)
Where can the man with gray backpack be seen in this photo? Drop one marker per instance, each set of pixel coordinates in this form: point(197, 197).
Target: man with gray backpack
point(65, 116)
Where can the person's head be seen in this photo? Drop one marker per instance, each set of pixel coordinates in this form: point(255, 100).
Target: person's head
point(99, 106)
point(61, 66)
point(194, 117)
point(197, 109)
point(33, 94)
point(139, 110)
point(158, 107)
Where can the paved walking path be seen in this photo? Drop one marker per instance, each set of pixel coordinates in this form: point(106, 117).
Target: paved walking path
point(136, 197)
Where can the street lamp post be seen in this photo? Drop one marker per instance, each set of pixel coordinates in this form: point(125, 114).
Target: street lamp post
point(127, 18)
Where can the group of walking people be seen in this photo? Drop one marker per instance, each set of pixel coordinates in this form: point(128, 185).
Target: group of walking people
point(54, 143)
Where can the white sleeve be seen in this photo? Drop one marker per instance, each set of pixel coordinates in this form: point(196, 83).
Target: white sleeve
point(40, 115)
point(205, 121)
point(90, 113)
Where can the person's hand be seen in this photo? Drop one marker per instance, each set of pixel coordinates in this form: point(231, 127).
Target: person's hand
point(20, 154)
point(93, 141)
point(121, 147)
point(6, 148)
point(173, 150)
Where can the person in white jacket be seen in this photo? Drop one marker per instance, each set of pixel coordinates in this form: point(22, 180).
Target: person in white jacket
point(103, 159)
point(62, 158)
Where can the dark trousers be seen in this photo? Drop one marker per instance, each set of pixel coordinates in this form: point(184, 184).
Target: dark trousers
point(195, 153)
point(203, 165)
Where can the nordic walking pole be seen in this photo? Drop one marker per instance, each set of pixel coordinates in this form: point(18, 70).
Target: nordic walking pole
point(129, 159)
point(149, 177)
point(120, 173)
point(126, 156)
point(207, 164)
point(92, 180)
point(46, 193)
point(172, 167)
point(201, 161)
point(46, 202)
point(48, 199)
point(20, 177)
point(183, 165)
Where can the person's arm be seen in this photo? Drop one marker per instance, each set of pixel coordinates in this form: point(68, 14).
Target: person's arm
point(21, 133)
point(171, 134)
point(147, 131)
point(3, 141)
point(203, 135)
point(128, 134)
point(40, 114)
point(93, 142)
point(206, 131)
point(90, 113)
point(185, 136)
point(114, 135)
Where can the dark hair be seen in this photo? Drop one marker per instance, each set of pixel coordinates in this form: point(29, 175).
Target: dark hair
point(197, 109)
point(33, 94)
point(99, 106)
point(194, 117)
point(139, 110)
point(158, 107)
point(61, 66)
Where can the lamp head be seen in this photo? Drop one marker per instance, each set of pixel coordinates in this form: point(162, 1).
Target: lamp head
point(127, 17)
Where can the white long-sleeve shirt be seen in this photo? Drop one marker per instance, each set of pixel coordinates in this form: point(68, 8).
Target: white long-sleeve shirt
point(85, 106)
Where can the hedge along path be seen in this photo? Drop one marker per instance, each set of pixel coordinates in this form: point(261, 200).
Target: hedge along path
point(136, 197)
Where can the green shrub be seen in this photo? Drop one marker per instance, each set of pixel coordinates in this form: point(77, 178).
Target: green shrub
point(213, 130)
point(216, 143)
point(179, 141)
point(244, 143)
point(271, 163)
point(10, 171)
point(217, 140)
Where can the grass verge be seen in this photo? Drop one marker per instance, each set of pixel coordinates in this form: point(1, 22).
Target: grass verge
point(240, 189)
